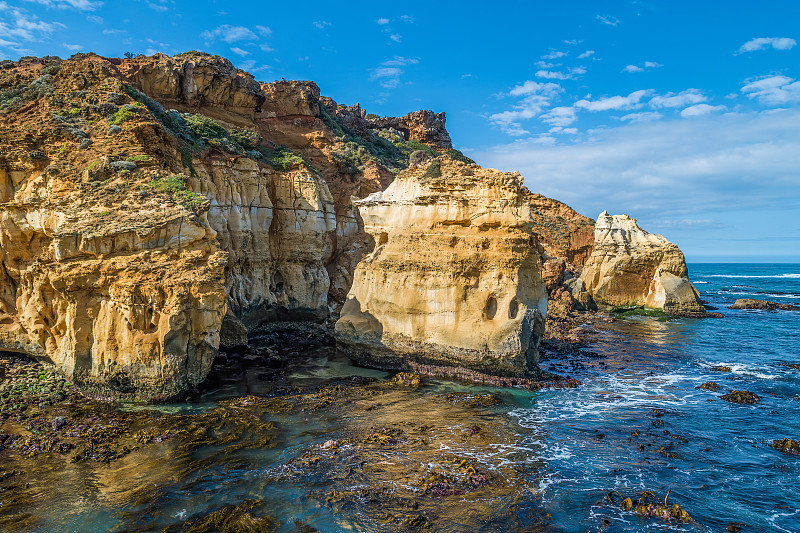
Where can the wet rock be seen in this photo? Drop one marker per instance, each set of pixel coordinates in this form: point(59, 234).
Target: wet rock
point(751, 303)
point(709, 385)
point(647, 504)
point(741, 396)
point(720, 368)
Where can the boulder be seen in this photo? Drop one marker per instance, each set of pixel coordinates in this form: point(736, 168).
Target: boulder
point(750, 303)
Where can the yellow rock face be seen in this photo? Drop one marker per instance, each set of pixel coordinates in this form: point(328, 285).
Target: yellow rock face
point(455, 277)
point(630, 266)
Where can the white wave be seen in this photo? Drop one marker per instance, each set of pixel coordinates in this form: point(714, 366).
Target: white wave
point(775, 276)
point(745, 370)
point(762, 294)
point(700, 282)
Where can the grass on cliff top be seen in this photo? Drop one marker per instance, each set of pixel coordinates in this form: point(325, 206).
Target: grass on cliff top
point(176, 187)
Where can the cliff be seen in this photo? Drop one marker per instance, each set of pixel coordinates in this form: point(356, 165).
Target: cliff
point(153, 208)
point(455, 277)
point(630, 266)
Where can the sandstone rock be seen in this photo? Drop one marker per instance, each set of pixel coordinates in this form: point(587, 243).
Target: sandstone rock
point(750, 303)
point(630, 266)
point(561, 230)
point(423, 126)
point(290, 98)
point(455, 277)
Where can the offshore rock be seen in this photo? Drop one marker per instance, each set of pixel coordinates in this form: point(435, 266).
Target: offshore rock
point(631, 267)
point(455, 278)
point(751, 303)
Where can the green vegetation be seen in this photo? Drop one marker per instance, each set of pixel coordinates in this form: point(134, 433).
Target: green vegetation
point(458, 156)
point(176, 187)
point(639, 310)
point(121, 116)
point(283, 159)
point(102, 214)
point(434, 170)
point(136, 158)
point(416, 145)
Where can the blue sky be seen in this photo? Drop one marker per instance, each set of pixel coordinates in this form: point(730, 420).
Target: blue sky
point(684, 115)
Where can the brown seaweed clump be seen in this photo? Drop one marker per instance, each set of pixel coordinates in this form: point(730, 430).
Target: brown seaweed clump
point(741, 396)
point(650, 505)
point(787, 446)
point(709, 385)
point(229, 519)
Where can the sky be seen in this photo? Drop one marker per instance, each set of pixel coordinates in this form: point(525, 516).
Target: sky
point(683, 115)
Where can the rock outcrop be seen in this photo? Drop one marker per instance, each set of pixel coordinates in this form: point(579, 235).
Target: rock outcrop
point(764, 305)
point(630, 266)
point(562, 231)
point(455, 277)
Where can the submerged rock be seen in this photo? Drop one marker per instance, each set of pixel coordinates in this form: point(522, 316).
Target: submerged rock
point(631, 267)
point(455, 278)
point(741, 396)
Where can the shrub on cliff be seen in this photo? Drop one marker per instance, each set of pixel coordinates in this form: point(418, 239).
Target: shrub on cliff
point(283, 159)
point(176, 187)
point(121, 116)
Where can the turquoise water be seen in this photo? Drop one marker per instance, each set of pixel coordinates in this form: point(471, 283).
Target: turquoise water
point(556, 453)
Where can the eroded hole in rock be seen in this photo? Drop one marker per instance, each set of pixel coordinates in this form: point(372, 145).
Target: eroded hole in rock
point(491, 307)
point(383, 239)
point(277, 284)
point(150, 326)
point(513, 309)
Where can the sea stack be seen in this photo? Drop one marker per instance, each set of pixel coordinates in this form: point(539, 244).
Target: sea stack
point(630, 266)
point(455, 278)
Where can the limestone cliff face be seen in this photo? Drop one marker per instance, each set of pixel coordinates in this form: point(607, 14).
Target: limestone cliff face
point(455, 277)
point(630, 266)
point(154, 207)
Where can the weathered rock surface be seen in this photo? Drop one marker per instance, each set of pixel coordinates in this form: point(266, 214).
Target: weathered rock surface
point(163, 205)
point(750, 303)
point(455, 277)
point(562, 231)
point(630, 266)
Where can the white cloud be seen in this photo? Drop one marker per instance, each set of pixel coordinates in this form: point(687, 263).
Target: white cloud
point(240, 52)
point(95, 19)
point(644, 116)
point(555, 75)
point(266, 48)
point(572, 41)
point(699, 110)
point(773, 90)
point(536, 97)
point(230, 34)
point(388, 73)
point(72, 47)
point(586, 54)
point(762, 43)
point(646, 65)
point(407, 18)
point(614, 102)
point(157, 7)
point(545, 64)
point(554, 54)
point(681, 99)
point(113, 32)
point(611, 21)
point(560, 116)
point(19, 23)
point(396, 37)
point(82, 5)
point(263, 31)
point(667, 169)
point(321, 24)
point(382, 21)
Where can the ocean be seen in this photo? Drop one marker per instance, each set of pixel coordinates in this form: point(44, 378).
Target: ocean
point(456, 457)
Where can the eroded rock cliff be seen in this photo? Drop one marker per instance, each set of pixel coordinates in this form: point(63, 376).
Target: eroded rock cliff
point(630, 266)
point(151, 206)
point(455, 277)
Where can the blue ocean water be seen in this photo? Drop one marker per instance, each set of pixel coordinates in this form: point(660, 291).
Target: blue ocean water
point(722, 471)
point(639, 422)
